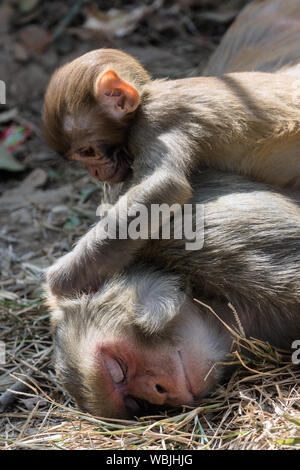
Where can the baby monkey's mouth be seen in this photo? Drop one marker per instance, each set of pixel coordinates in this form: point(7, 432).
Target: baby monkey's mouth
point(121, 162)
point(121, 173)
point(110, 164)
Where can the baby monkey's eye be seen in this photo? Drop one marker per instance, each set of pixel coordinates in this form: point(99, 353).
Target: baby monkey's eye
point(87, 152)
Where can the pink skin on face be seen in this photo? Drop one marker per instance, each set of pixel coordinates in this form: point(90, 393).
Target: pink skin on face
point(163, 376)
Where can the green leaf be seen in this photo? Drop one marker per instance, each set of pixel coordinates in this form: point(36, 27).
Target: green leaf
point(85, 193)
point(8, 161)
point(56, 174)
point(293, 441)
point(74, 221)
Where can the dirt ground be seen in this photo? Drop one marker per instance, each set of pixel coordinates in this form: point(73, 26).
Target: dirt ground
point(45, 205)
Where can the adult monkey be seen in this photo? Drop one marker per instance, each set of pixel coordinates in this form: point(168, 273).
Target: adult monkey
point(115, 360)
point(141, 340)
point(103, 108)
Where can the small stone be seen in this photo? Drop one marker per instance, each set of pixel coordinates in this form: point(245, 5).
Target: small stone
point(20, 53)
point(36, 179)
point(59, 215)
point(6, 13)
point(35, 38)
point(21, 216)
point(30, 403)
point(5, 260)
point(44, 156)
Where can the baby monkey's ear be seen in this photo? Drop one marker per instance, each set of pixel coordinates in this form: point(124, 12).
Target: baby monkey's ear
point(117, 96)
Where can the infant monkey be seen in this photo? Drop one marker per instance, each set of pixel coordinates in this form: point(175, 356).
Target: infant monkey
point(103, 110)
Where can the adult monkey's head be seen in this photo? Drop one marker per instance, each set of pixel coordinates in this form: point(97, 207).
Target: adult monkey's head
point(137, 345)
point(88, 107)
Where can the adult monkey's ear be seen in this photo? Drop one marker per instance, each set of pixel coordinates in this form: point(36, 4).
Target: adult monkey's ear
point(158, 300)
point(117, 97)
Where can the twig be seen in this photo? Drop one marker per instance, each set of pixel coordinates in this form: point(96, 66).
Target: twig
point(237, 319)
point(8, 398)
point(67, 19)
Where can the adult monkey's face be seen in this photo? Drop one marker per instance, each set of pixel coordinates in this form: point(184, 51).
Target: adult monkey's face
point(119, 356)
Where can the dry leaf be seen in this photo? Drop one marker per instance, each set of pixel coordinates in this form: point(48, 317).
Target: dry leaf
point(9, 115)
point(20, 53)
point(6, 295)
point(197, 3)
point(25, 6)
point(35, 38)
point(35, 179)
point(116, 22)
point(8, 161)
point(219, 16)
point(6, 13)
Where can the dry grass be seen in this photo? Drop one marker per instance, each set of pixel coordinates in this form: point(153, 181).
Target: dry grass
point(258, 409)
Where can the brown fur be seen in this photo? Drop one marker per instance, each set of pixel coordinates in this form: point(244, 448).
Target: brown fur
point(228, 129)
point(71, 93)
point(264, 37)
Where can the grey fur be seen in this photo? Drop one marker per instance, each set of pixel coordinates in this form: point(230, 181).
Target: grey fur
point(251, 258)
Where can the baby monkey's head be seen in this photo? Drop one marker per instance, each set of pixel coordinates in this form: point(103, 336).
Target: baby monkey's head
point(88, 106)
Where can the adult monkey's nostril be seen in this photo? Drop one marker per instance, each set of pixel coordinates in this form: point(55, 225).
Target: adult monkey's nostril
point(160, 389)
